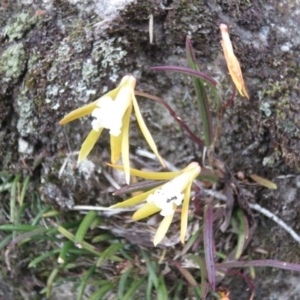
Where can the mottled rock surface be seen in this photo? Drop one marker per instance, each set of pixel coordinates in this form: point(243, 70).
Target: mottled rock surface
point(58, 55)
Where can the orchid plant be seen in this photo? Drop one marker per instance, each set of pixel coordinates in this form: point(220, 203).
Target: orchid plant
point(113, 111)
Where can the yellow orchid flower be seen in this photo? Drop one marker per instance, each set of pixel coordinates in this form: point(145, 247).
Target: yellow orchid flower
point(232, 62)
point(165, 198)
point(112, 111)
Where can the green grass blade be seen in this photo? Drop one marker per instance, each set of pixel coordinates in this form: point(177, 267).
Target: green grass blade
point(178, 290)
point(39, 216)
point(85, 281)
point(52, 213)
point(24, 189)
point(203, 273)
point(162, 291)
point(122, 283)
point(186, 274)
point(98, 295)
point(149, 289)
point(125, 254)
point(71, 237)
point(25, 237)
point(42, 257)
point(5, 241)
point(20, 213)
point(191, 241)
point(134, 288)
point(13, 198)
point(197, 293)
point(50, 281)
point(7, 184)
point(18, 227)
point(151, 267)
point(108, 253)
point(95, 222)
point(102, 238)
point(64, 251)
point(84, 227)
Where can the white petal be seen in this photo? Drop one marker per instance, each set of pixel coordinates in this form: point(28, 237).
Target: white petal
point(106, 117)
point(167, 198)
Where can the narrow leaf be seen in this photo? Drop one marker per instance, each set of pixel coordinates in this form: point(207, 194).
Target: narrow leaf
point(162, 292)
point(202, 99)
point(50, 281)
point(191, 241)
point(108, 253)
point(174, 115)
point(42, 257)
point(203, 269)
point(13, 199)
point(187, 275)
point(122, 283)
point(134, 288)
point(102, 291)
point(209, 245)
point(151, 267)
point(259, 263)
point(24, 188)
point(18, 227)
point(71, 237)
point(64, 252)
point(263, 181)
point(84, 282)
point(187, 71)
point(84, 227)
point(243, 234)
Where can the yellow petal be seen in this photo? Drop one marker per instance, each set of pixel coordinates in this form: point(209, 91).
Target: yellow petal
point(127, 81)
point(145, 211)
point(87, 109)
point(123, 101)
point(113, 93)
point(185, 212)
point(125, 143)
point(149, 175)
point(145, 130)
point(162, 229)
point(134, 200)
point(89, 144)
point(232, 62)
point(79, 112)
point(187, 176)
point(115, 147)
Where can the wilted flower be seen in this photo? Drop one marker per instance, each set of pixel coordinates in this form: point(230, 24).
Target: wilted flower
point(112, 111)
point(165, 198)
point(232, 62)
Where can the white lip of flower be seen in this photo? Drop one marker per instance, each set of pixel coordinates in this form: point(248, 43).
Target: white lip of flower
point(167, 198)
point(106, 116)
